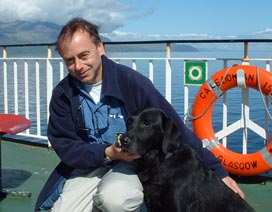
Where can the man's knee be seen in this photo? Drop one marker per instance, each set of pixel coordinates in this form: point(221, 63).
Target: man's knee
point(118, 196)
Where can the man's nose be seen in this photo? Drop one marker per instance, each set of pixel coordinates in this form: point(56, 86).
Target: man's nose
point(78, 64)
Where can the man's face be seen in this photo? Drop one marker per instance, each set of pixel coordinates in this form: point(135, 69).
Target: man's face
point(83, 57)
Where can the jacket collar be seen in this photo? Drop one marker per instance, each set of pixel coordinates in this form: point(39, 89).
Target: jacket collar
point(111, 84)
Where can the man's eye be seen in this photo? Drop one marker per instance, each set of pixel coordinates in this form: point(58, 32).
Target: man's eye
point(69, 61)
point(85, 56)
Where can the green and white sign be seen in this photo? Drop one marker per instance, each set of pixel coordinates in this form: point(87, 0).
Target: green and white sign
point(195, 72)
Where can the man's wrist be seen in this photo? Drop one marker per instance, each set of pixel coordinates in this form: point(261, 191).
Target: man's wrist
point(108, 158)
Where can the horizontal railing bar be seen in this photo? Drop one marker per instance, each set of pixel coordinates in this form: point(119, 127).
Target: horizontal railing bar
point(155, 42)
point(192, 41)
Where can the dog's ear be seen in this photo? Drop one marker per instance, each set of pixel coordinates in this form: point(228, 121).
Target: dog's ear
point(171, 135)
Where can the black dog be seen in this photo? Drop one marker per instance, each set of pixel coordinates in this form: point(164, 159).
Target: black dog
point(173, 177)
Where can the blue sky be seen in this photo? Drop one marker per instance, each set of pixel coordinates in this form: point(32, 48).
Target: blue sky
point(198, 17)
point(153, 19)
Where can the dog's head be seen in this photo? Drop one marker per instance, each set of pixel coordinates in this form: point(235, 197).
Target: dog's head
point(150, 129)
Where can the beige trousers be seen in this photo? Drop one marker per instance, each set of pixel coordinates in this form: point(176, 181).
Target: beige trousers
point(114, 190)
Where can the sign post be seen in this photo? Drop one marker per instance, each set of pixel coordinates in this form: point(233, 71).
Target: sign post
point(195, 72)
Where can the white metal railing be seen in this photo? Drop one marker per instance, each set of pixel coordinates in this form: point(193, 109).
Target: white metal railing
point(27, 82)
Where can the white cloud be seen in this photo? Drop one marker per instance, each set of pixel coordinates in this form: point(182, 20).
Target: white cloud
point(121, 36)
point(266, 33)
point(15, 9)
point(109, 14)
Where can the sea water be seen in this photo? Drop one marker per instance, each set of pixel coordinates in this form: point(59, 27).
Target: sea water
point(257, 109)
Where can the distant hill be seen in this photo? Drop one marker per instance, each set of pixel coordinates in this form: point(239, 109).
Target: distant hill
point(23, 32)
point(150, 48)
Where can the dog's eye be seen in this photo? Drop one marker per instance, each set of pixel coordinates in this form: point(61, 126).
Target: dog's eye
point(129, 122)
point(146, 123)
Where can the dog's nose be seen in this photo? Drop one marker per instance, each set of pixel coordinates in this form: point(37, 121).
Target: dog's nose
point(126, 140)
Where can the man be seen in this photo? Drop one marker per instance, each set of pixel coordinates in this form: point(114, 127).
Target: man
point(88, 107)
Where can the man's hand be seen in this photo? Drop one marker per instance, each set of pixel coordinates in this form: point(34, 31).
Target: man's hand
point(114, 152)
point(233, 185)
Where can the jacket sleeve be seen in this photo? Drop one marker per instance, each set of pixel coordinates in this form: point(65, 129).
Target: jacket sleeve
point(72, 149)
point(148, 95)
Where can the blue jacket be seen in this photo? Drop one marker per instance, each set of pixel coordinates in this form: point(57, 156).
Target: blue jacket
point(135, 92)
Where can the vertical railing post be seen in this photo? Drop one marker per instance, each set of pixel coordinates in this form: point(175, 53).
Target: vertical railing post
point(5, 53)
point(38, 105)
point(246, 58)
point(49, 88)
point(245, 117)
point(168, 73)
point(15, 76)
point(49, 83)
point(26, 70)
point(186, 111)
point(49, 52)
point(134, 65)
point(5, 86)
point(267, 119)
point(168, 50)
point(225, 109)
point(151, 70)
point(49, 78)
point(61, 73)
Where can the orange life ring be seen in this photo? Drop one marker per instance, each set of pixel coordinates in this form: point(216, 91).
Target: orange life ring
point(225, 79)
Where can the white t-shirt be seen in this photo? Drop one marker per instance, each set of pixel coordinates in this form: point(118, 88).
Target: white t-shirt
point(94, 91)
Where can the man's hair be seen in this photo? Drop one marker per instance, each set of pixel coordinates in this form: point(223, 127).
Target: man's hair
point(74, 25)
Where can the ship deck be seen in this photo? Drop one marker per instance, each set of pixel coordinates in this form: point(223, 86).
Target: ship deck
point(25, 168)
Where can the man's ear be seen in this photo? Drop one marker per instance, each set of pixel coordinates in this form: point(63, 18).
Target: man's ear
point(171, 135)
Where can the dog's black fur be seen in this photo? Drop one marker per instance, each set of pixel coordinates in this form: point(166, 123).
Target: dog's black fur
point(173, 176)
